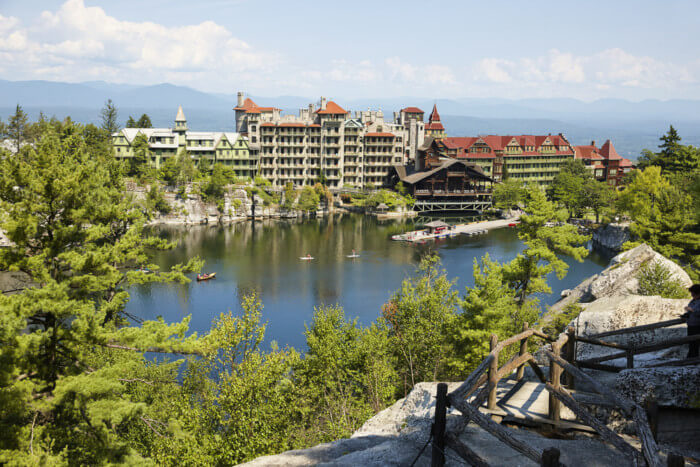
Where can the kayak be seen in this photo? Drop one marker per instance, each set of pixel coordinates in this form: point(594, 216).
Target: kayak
point(205, 277)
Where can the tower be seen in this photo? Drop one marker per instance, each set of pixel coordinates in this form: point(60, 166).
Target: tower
point(434, 127)
point(180, 126)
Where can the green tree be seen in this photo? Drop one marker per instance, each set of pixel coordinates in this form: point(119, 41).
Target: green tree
point(670, 144)
point(289, 196)
point(656, 279)
point(109, 114)
point(187, 171)
point(419, 317)
point(221, 176)
point(17, 127)
point(138, 164)
point(67, 348)
point(509, 193)
point(598, 196)
point(131, 123)
point(308, 200)
point(569, 184)
point(144, 121)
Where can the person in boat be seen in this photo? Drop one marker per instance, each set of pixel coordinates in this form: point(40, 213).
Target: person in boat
point(353, 253)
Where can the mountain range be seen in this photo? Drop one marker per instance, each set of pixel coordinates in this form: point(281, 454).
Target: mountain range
point(632, 126)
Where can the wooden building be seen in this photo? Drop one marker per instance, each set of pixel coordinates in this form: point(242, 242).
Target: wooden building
point(440, 183)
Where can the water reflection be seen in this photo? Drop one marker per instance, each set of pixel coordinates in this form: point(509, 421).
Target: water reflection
point(265, 257)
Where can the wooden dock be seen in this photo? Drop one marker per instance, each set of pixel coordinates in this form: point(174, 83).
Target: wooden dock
point(420, 236)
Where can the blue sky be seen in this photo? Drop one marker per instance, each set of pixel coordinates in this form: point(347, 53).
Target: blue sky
point(352, 49)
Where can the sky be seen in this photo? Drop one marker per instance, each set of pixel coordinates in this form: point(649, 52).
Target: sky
point(636, 50)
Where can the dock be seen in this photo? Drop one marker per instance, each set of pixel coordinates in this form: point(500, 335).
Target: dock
point(420, 236)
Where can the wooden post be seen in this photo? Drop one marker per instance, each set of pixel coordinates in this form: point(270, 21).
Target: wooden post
point(555, 381)
point(570, 355)
point(630, 357)
point(675, 460)
point(493, 373)
point(550, 457)
point(438, 456)
point(523, 349)
point(652, 409)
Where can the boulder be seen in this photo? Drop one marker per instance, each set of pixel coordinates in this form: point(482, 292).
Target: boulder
point(612, 236)
point(620, 277)
point(618, 312)
point(670, 386)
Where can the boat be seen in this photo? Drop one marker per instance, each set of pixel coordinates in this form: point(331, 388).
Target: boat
point(145, 270)
point(306, 258)
point(206, 277)
point(513, 224)
point(352, 256)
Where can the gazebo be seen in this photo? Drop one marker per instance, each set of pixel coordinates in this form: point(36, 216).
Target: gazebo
point(382, 207)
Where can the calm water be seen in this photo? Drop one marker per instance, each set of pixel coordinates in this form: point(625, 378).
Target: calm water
point(265, 257)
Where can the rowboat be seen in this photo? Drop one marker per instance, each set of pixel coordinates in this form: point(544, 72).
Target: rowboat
point(306, 258)
point(205, 277)
point(352, 256)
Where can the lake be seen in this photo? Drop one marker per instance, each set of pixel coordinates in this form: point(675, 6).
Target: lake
point(265, 256)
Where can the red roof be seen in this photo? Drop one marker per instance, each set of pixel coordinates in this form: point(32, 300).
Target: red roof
point(412, 110)
point(381, 135)
point(248, 104)
point(625, 163)
point(587, 152)
point(434, 115)
point(251, 107)
point(293, 125)
point(332, 108)
point(608, 151)
point(267, 124)
point(434, 126)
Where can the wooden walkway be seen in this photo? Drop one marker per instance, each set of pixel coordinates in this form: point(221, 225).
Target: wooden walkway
point(527, 402)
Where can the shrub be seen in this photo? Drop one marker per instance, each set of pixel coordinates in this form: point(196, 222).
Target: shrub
point(559, 321)
point(656, 279)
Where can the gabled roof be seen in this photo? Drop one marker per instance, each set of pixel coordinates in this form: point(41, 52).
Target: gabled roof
point(332, 109)
point(608, 151)
point(251, 107)
point(434, 115)
point(587, 152)
point(415, 177)
point(412, 110)
point(180, 117)
point(353, 122)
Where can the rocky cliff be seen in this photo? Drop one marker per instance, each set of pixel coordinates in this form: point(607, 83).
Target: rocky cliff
point(612, 236)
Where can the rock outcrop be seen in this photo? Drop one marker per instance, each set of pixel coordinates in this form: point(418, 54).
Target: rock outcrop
point(612, 236)
point(620, 277)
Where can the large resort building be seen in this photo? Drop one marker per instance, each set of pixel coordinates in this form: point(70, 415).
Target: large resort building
point(326, 142)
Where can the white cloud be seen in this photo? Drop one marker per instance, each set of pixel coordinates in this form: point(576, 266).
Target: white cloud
point(607, 69)
point(77, 41)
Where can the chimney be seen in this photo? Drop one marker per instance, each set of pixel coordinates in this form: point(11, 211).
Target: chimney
point(593, 143)
point(240, 99)
point(323, 103)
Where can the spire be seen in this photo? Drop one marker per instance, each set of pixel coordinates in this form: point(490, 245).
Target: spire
point(180, 117)
point(434, 115)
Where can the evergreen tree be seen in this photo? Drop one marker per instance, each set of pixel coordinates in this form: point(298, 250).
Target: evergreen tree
point(144, 121)
point(17, 127)
point(670, 143)
point(508, 193)
point(109, 114)
point(138, 164)
point(68, 352)
point(131, 123)
point(569, 184)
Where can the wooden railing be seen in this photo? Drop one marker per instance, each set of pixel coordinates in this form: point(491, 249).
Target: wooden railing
point(482, 384)
point(628, 351)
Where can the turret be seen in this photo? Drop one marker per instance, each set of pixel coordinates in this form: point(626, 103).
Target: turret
point(180, 126)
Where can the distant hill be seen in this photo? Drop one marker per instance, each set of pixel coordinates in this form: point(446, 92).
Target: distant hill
point(632, 126)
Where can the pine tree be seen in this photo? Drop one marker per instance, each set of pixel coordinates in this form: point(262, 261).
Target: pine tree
point(17, 127)
point(131, 123)
point(69, 353)
point(144, 122)
point(109, 116)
